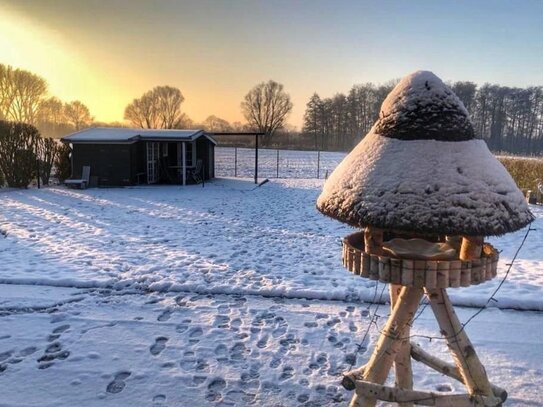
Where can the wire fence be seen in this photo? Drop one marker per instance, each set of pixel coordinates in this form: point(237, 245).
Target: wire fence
point(272, 163)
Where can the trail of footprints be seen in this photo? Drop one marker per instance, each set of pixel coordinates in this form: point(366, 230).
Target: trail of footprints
point(55, 350)
point(52, 352)
point(265, 328)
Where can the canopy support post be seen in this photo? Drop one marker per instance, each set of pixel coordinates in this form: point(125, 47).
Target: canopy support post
point(184, 162)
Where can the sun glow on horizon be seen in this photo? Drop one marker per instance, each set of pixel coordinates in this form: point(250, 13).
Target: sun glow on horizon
point(28, 45)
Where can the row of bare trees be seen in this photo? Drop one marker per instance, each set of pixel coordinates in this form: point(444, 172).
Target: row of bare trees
point(509, 119)
point(339, 122)
point(23, 98)
point(265, 107)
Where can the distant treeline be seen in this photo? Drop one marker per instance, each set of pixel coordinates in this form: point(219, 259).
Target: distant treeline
point(509, 119)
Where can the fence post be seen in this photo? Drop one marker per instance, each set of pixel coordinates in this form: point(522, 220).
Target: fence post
point(235, 162)
point(318, 164)
point(277, 163)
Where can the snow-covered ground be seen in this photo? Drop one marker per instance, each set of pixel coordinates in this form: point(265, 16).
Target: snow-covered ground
point(222, 295)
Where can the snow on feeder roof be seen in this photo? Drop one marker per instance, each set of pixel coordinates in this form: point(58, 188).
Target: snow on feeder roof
point(420, 169)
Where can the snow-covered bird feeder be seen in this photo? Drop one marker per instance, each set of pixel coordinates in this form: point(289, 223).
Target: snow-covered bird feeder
point(425, 193)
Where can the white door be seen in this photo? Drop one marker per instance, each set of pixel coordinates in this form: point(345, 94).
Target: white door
point(152, 162)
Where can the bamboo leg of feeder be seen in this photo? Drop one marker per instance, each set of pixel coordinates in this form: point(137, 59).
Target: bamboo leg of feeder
point(448, 369)
point(402, 363)
point(424, 398)
point(385, 351)
point(472, 371)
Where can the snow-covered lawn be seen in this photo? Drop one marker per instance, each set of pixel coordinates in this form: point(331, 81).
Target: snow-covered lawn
point(222, 295)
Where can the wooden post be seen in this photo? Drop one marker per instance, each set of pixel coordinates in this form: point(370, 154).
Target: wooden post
point(471, 248)
point(184, 162)
point(373, 240)
point(318, 164)
point(389, 343)
point(235, 161)
point(402, 364)
point(472, 371)
point(256, 158)
point(277, 164)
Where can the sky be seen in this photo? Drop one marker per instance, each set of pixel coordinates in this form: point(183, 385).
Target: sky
point(108, 52)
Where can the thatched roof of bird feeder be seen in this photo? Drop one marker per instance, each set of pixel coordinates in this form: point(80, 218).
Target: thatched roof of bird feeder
point(421, 169)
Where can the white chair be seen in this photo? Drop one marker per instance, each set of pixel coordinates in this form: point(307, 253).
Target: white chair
point(83, 182)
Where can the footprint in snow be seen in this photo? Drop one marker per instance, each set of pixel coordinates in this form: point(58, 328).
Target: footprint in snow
point(28, 351)
point(159, 345)
point(159, 399)
point(445, 388)
point(237, 351)
point(58, 318)
point(199, 379)
point(54, 347)
point(221, 351)
point(5, 355)
point(194, 334)
point(164, 316)
point(221, 321)
point(183, 326)
point(61, 329)
point(214, 389)
point(57, 332)
point(118, 383)
point(52, 352)
point(262, 342)
point(288, 372)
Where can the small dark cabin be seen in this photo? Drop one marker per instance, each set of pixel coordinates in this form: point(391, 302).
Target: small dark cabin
point(121, 156)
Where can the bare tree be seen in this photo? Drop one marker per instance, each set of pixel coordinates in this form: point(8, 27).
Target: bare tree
point(168, 105)
point(159, 108)
point(266, 107)
point(21, 93)
point(214, 123)
point(51, 121)
point(77, 114)
point(51, 111)
point(6, 92)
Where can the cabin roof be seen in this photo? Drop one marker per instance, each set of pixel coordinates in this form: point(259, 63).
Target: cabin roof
point(420, 169)
point(130, 135)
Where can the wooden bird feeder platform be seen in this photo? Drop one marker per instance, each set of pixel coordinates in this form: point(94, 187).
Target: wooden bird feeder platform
point(418, 272)
point(424, 191)
point(410, 279)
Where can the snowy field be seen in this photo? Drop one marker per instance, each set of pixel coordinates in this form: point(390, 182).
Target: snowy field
point(225, 295)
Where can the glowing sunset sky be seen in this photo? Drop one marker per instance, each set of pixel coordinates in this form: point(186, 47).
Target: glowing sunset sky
point(105, 53)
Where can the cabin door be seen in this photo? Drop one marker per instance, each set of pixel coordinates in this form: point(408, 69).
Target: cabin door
point(152, 162)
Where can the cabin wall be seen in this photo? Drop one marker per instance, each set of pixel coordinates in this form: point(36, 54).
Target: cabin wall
point(110, 163)
point(126, 164)
point(139, 165)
